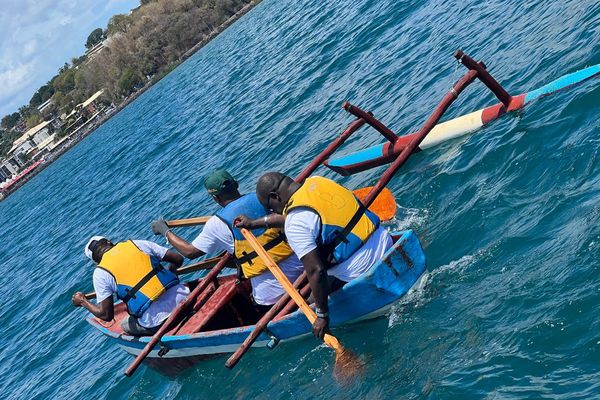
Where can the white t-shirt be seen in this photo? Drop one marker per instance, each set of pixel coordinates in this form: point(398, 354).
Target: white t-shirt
point(266, 290)
point(302, 227)
point(105, 286)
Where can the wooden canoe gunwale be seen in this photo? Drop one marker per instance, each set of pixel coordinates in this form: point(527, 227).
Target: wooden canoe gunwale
point(378, 289)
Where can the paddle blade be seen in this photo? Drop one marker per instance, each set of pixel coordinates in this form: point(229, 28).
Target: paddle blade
point(384, 205)
point(348, 367)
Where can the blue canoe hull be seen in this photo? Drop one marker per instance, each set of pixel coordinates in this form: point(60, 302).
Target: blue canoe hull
point(368, 296)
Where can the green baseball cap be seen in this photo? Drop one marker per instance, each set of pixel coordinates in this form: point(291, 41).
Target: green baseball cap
point(219, 181)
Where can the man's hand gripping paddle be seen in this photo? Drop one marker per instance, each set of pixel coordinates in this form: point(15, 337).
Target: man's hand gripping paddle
point(347, 365)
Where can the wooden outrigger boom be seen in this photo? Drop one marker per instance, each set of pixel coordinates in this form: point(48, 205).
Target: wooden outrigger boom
point(387, 152)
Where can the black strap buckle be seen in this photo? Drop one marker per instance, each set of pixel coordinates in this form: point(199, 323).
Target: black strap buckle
point(248, 257)
point(132, 292)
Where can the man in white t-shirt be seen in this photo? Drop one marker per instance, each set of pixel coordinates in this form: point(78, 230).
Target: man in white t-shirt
point(220, 234)
point(119, 267)
point(316, 216)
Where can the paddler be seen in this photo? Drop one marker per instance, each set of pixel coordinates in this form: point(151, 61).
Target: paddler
point(220, 234)
point(328, 229)
point(133, 271)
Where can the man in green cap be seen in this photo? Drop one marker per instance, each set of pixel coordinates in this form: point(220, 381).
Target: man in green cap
point(220, 234)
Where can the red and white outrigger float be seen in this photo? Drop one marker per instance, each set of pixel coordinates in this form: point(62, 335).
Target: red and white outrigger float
point(218, 316)
point(387, 152)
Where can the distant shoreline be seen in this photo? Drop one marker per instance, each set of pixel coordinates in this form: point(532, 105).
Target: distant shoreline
point(104, 118)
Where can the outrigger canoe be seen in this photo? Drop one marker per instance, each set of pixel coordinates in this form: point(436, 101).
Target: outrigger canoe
point(232, 314)
point(225, 318)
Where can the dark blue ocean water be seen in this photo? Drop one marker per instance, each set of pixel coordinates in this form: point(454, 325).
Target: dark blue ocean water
point(509, 216)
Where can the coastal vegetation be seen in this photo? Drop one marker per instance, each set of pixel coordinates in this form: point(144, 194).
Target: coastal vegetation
point(132, 50)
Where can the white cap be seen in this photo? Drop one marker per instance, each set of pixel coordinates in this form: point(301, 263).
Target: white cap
point(87, 251)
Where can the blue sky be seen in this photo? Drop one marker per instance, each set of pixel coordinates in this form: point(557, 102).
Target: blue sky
point(38, 36)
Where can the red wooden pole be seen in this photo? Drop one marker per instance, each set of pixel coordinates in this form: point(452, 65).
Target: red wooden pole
point(425, 129)
point(291, 305)
point(484, 76)
point(180, 309)
point(333, 146)
point(387, 176)
point(262, 324)
point(371, 120)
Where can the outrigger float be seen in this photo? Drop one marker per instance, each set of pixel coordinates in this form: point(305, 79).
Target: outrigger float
point(385, 153)
point(218, 316)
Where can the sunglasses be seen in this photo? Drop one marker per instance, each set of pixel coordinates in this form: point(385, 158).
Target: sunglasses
point(274, 194)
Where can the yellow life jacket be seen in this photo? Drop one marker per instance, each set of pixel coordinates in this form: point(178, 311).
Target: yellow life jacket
point(140, 278)
point(271, 239)
point(336, 206)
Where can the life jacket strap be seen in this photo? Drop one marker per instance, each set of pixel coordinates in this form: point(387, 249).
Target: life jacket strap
point(131, 293)
point(342, 236)
point(248, 257)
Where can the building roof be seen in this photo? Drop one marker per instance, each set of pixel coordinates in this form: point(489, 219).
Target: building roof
point(28, 135)
point(45, 104)
point(91, 99)
point(46, 142)
point(95, 49)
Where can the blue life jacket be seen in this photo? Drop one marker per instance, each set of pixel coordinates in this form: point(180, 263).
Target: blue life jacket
point(270, 238)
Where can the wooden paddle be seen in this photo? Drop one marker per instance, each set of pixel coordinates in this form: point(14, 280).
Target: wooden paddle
point(346, 364)
point(186, 269)
point(262, 323)
point(384, 205)
point(177, 312)
point(175, 223)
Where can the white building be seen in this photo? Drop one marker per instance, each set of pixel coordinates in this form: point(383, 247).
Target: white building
point(7, 170)
point(45, 105)
point(31, 139)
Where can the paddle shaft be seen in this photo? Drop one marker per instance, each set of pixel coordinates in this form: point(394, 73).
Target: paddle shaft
point(330, 340)
point(182, 307)
point(260, 326)
point(187, 221)
point(282, 302)
point(291, 305)
point(186, 269)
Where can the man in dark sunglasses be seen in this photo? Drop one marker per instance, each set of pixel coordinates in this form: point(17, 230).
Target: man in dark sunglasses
point(327, 227)
point(219, 234)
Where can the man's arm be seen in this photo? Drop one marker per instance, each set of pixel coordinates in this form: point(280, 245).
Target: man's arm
point(105, 310)
point(175, 260)
point(317, 278)
point(183, 246)
point(268, 221)
point(160, 227)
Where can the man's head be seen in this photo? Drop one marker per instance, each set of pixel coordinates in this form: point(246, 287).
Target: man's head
point(274, 190)
point(221, 186)
point(96, 247)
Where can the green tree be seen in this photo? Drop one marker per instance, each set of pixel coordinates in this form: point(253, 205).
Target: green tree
point(94, 38)
point(64, 81)
point(33, 120)
point(128, 81)
point(42, 94)
point(118, 23)
point(25, 111)
point(76, 61)
point(9, 121)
